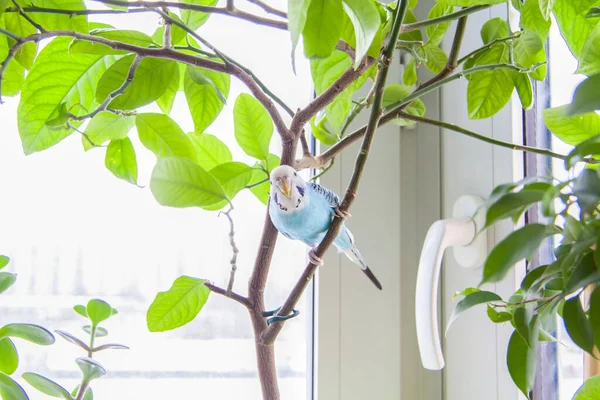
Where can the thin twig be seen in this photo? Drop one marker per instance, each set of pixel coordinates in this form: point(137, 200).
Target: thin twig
point(167, 33)
point(270, 334)
point(44, 10)
point(444, 18)
point(27, 17)
point(232, 295)
point(114, 94)
point(234, 248)
point(488, 46)
point(205, 9)
point(268, 8)
point(483, 138)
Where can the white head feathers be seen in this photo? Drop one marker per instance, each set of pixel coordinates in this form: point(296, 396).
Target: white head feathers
point(288, 189)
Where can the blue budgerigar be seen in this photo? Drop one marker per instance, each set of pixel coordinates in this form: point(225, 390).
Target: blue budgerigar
point(303, 210)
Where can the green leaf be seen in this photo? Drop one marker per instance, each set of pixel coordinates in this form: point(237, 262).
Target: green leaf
point(593, 13)
point(89, 395)
point(577, 324)
point(233, 176)
point(323, 27)
point(594, 312)
point(415, 35)
point(32, 333)
point(73, 340)
point(162, 136)
point(529, 51)
point(533, 20)
point(524, 89)
point(90, 369)
point(54, 21)
point(589, 59)
point(435, 33)
point(253, 126)
point(518, 245)
point(297, 13)
point(60, 117)
point(9, 358)
point(177, 306)
point(200, 78)
point(512, 204)
point(4, 260)
point(6, 281)
point(100, 331)
point(366, 22)
point(324, 73)
point(321, 133)
point(495, 28)
point(546, 8)
point(262, 191)
point(150, 82)
point(465, 292)
point(11, 390)
point(12, 80)
point(106, 126)
point(46, 386)
point(56, 78)
point(195, 19)
point(436, 58)
point(586, 98)
point(498, 317)
point(120, 159)
point(589, 147)
point(395, 93)
point(210, 150)
point(527, 325)
point(133, 37)
point(471, 300)
point(571, 129)
point(590, 390)
point(178, 182)
point(467, 3)
point(520, 359)
point(98, 311)
point(18, 25)
point(575, 28)
point(81, 310)
point(587, 190)
point(203, 101)
point(410, 73)
point(165, 102)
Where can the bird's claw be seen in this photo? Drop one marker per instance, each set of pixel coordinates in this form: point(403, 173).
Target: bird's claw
point(341, 214)
point(278, 318)
point(318, 261)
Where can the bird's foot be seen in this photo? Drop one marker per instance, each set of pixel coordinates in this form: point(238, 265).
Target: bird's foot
point(314, 259)
point(278, 318)
point(341, 214)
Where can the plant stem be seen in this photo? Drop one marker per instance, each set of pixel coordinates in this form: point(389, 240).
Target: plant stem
point(268, 8)
point(483, 138)
point(205, 9)
point(24, 15)
point(167, 33)
point(34, 9)
point(114, 94)
point(444, 18)
point(234, 249)
point(269, 336)
point(488, 46)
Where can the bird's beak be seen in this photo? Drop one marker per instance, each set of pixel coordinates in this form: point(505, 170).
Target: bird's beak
point(285, 187)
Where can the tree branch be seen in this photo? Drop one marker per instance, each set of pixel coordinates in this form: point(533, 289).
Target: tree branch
point(268, 8)
point(44, 10)
point(24, 15)
point(232, 295)
point(318, 103)
point(205, 9)
point(234, 248)
point(167, 34)
point(116, 93)
point(456, 128)
point(444, 18)
point(269, 336)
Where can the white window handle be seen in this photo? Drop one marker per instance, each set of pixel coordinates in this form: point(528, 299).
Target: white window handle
point(470, 252)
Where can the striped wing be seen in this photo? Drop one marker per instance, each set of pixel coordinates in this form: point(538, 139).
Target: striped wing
point(328, 195)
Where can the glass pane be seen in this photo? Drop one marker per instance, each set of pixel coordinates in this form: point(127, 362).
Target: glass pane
point(562, 85)
point(75, 232)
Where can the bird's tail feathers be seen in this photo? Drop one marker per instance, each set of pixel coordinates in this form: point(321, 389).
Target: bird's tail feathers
point(354, 255)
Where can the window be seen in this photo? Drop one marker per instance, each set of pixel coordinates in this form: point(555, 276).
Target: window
point(74, 232)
